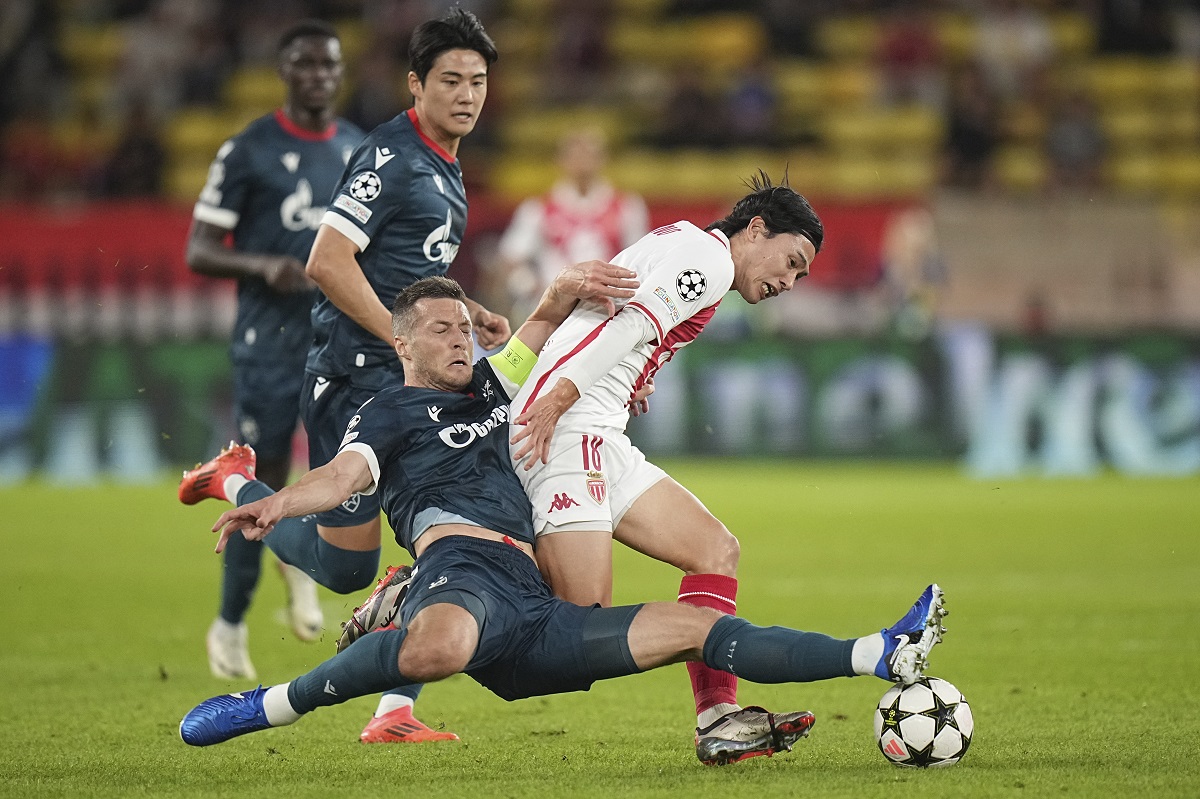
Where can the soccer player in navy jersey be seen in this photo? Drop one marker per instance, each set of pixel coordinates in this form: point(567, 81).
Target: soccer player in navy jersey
point(265, 195)
point(436, 453)
point(399, 215)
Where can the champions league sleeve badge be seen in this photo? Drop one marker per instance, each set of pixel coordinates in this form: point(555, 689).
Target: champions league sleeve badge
point(365, 186)
point(690, 284)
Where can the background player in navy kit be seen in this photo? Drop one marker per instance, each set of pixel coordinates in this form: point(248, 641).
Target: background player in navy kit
point(399, 216)
point(478, 603)
point(267, 191)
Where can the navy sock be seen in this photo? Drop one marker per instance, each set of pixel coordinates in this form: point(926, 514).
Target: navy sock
point(297, 543)
point(775, 654)
point(239, 576)
point(368, 666)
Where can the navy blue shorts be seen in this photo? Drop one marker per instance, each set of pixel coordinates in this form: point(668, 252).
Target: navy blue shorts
point(266, 406)
point(531, 643)
point(327, 406)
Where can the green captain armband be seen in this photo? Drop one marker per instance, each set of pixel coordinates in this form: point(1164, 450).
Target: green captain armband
point(515, 361)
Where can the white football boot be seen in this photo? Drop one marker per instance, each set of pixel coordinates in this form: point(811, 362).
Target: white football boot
point(304, 609)
point(228, 651)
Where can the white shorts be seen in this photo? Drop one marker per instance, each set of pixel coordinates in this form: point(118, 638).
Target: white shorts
point(593, 477)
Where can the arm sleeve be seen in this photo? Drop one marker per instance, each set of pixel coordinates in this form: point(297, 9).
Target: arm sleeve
point(228, 183)
point(366, 436)
point(368, 195)
point(628, 330)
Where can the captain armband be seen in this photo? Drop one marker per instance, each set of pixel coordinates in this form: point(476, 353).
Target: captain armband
point(515, 361)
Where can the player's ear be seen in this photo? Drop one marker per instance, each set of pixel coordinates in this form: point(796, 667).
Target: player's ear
point(400, 345)
point(414, 85)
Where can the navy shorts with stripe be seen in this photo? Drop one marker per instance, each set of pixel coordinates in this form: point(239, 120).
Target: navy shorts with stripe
point(266, 406)
point(327, 406)
point(531, 643)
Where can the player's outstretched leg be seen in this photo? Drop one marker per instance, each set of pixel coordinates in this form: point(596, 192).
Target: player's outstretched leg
point(393, 721)
point(750, 732)
point(304, 609)
point(907, 643)
point(208, 480)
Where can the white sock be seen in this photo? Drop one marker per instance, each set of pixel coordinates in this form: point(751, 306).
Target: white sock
point(390, 702)
point(706, 717)
point(866, 654)
point(276, 706)
point(232, 485)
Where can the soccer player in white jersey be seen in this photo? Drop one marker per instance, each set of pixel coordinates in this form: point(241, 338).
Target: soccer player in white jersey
point(588, 484)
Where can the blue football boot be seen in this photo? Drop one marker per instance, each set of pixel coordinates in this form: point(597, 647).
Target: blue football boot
point(216, 720)
point(907, 643)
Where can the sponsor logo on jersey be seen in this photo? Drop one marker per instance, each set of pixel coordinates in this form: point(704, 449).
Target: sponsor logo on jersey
point(690, 285)
point(346, 439)
point(353, 207)
point(437, 244)
point(354, 420)
point(291, 161)
point(597, 488)
point(439, 581)
point(662, 294)
point(461, 435)
point(296, 212)
point(383, 155)
point(487, 389)
point(365, 186)
point(562, 502)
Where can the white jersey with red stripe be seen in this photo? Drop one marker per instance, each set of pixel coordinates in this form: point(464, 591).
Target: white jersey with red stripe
point(684, 273)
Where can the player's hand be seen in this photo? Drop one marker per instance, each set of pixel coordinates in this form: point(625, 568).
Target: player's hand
point(639, 403)
point(597, 281)
point(491, 329)
point(537, 424)
point(254, 521)
point(285, 275)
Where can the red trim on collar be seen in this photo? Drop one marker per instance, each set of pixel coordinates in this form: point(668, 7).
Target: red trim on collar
point(724, 242)
point(292, 129)
point(430, 143)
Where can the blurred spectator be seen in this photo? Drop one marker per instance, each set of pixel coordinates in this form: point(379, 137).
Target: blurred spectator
point(156, 48)
point(135, 168)
point(1141, 27)
point(972, 130)
point(691, 115)
point(790, 25)
point(581, 218)
point(380, 92)
point(34, 72)
point(909, 56)
point(1014, 44)
point(30, 164)
point(1075, 143)
point(914, 272)
point(579, 57)
point(209, 64)
point(751, 106)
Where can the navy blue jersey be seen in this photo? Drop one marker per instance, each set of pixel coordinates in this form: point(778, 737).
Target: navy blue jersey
point(441, 449)
point(269, 185)
point(403, 204)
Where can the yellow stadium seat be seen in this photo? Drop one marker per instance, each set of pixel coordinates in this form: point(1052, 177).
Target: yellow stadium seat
point(185, 179)
point(956, 34)
point(1021, 168)
point(255, 88)
point(644, 9)
point(353, 35)
point(848, 85)
point(914, 129)
point(1176, 83)
point(198, 133)
point(1129, 129)
point(1181, 175)
point(725, 41)
point(517, 177)
point(647, 172)
point(1118, 81)
point(1135, 173)
point(540, 131)
point(1074, 35)
point(853, 38)
point(92, 50)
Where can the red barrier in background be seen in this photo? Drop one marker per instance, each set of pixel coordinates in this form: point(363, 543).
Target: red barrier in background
point(141, 244)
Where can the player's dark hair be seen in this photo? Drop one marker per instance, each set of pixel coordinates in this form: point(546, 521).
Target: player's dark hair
point(459, 29)
point(427, 288)
point(781, 208)
point(303, 28)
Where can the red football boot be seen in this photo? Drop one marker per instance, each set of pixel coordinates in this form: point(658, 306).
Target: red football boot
point(207, 480)
point(401, 727)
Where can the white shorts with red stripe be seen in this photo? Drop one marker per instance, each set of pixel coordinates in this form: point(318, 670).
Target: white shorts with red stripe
point(593, 477)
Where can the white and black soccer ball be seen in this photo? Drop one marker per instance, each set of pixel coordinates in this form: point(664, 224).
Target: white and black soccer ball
point(365, 186)
point(925, 724)
point(690, 284)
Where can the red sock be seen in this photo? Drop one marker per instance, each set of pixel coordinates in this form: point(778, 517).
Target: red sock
point(716, 591)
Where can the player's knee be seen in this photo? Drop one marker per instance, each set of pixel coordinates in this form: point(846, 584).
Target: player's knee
point(718, 554)
point(428, 659)
point(346, 580)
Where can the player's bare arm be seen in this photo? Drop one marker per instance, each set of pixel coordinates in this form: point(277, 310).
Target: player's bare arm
point(590, 281)
point(319, 490)
point(332, 264)
point(207, 254)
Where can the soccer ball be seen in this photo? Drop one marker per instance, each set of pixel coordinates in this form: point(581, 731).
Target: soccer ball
point(928, 723)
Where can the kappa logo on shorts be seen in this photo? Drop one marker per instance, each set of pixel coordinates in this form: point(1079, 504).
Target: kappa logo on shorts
point(562, 502)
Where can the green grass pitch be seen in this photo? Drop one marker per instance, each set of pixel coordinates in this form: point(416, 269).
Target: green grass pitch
point(1073, 633)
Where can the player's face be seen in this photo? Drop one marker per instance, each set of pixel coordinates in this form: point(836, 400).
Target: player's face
point(440, 347)
point(766, 266)
point(311, 67)
point(452, 96)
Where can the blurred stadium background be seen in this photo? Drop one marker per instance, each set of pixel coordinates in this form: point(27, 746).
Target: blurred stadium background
point(1010, 188)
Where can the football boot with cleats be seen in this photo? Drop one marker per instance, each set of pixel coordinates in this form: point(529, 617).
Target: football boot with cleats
point(401, 727)
point(216, 720)
point(207, 480)
point(229, 651)
point(907, 643)
point(303, 609)
point(750, 732)
point(381, 608)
